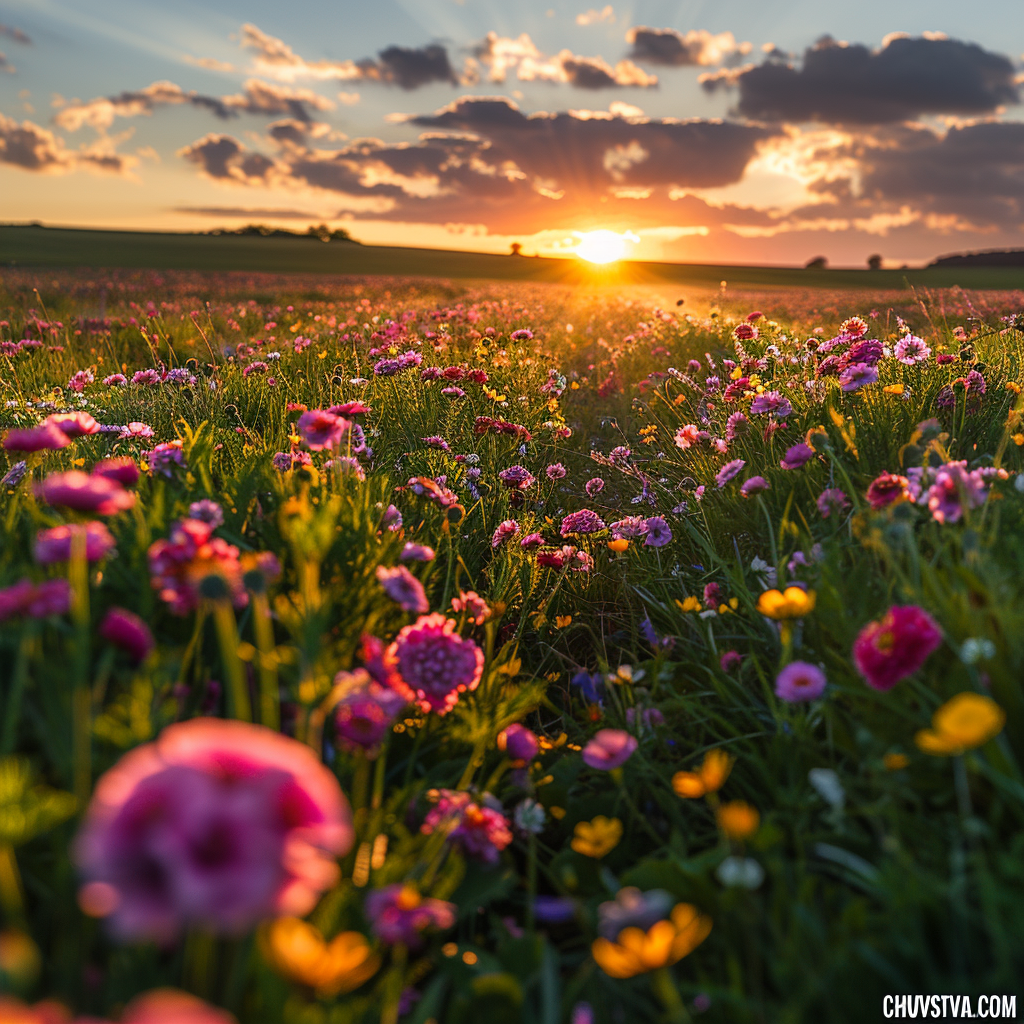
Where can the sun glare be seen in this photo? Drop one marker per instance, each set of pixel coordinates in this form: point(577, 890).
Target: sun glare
point(603, 246)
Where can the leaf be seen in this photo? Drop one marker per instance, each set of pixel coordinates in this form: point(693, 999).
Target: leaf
point(27, 810)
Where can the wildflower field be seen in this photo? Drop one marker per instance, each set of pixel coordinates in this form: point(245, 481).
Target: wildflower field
point(392, 650)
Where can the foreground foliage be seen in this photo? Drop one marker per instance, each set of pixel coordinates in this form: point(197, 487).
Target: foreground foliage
point(608, 663)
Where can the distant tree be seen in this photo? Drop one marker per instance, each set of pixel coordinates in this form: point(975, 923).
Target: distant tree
point(517, 248)
point(818, 263)
point(875, 262)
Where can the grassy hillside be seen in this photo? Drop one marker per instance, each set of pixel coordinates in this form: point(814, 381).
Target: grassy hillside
point(40, 246)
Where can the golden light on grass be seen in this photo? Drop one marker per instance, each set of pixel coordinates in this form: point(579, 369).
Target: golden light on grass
point(604, 246)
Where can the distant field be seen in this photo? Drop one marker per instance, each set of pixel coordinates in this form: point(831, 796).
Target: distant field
point(23, 246)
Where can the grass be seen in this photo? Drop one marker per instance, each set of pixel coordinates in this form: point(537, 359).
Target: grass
point(871, 867)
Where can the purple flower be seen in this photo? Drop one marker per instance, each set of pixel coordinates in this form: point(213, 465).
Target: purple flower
point(285, 461)
point(736, 424)
point(911, 349)
point(556, 471)
point(207, 511)
point(403, 588)
point(366, 712)
point(773, 402)
point(518, 742)
point(832, 499)
point(797, 456)
point(867, 351)
point(594, 486)
point(589, 685)
point(435, 441)
point(610, 748)
point(728, 472)
point(164, 457)
point(657, 532)
point(417, 552)
point(56, 544)
point(583, 521)
point(517, 478)
point(858, 375)
point(754, 485)
point(399, 914)
point(387, 367)
point(800, 681)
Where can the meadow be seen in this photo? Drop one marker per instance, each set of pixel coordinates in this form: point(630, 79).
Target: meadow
point(390, 649)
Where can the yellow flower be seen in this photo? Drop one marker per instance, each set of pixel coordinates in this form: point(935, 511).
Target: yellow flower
point(619, 544)
point(637, 952)
point(791, 603)
point(689, 604)
point(709, 779)
point(598, 837)
point(1018, 439)
point(894, 762)
point(561, 621)
point(964, 722)
point(298, 951)
point(893, 389)
point(737, 819)
point(1013, 386)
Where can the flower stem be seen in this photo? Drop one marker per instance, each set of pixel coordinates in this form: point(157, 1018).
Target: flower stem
point(665, 986)
point(270, 711)
point(393, 985)
point(81, 697)
point(11, 896)
point(227, 635)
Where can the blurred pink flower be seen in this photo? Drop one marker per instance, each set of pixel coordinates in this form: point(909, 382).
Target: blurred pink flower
point(896, 646)
point(320, 429)
point(800, 681)
point(365, 713)
point(403, 588)
point(126, 630)
point(481, 830)
point(399, 914)
point(610, 748)
point(54, 545)
point(169, 1006)
point(477, 609)
point(74, 424)
point(431, 664)
point(35, 439)
point(178, 565)
point(217, 823)
point(122, 469)
point(85, 493)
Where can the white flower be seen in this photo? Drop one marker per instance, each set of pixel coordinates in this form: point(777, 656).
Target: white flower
point(740, 872)
point(829, 788)
point(975, 649)
point(530, 816)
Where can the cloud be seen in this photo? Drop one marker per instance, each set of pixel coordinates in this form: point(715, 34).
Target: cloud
point(668, 47)
point(209, 63)
point(33, 148)
point(15, 34)
point(253, 213)
point(100, 113)
point(266, 98)
point(905, 78)
point(406, 67)
point(5, 64)
point(594, 17)
point(502, 54)
point(224, 158)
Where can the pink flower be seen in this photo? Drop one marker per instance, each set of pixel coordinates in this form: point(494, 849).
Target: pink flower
point(354, 408)
point(480, 829)
point(911, 349)
point(432, 664)
point(403, 588)
point(179, 564)
point(135, 429)
point(37, 600)
point(54, 545)
point(146, 377)
point(366, 712)
point(728, 472)
point(126, 630)
point(399, 914)
point(417, 552)
point(35, 439)
point(754, 485)
point(218, 824)
point(886, 489)
point(122, 470)
point(687, 436)
point(509, 528)
point(85, 493)
point(858, 375)
point(583, 521)
point(556, 471)
point(169, 1006)
point(800, 681)
point(730, 661)
point(74, 424)
point(531, 541)
point(477, 609)
point(594, 486)
point(609, 749)
point(896, 646)
point(832, 499)
point(320, 429)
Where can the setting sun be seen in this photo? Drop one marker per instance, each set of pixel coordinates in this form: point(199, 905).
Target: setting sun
point(604, 246)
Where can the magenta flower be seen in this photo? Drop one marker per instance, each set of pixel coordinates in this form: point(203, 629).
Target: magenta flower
point(911, 349)
point(431, 664)
point(735, 425)
point(609, 749)
point(728, 472)
point(126, 630)
point(399, 914)
point(55, 544)
point(74, 424)
point(403, 588)
point(321, 429)
point(800, 681)
point(37, 600)
point(858, 375)
point(886, 489)
point(896, 646)
point(477, 827)
point(954, 491)
point(366, 712)
point(517, 478)
point(754, 485)
point(797, 456)
point(217, 823)
point(45, 436)
point(518, 742)
point(773, 403)
point(531, 541)
point(123, 470)
point(165, 457)
point(730, 661)
point(556, 471)
point(146, 377)
point(417, 552)
point(85, 493)
point(594, 487)
point(179, 564)
point(476, 608)
point(583, 521)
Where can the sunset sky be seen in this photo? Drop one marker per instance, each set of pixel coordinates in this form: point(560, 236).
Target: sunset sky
point(741, 131)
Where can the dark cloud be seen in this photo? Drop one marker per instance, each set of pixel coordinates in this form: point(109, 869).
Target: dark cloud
point(670, 48)
point(266, 98)
point(851, 84)
point(410, 68)
point(254, 213)
point(215, 155)
point(974, 173)
point(9, 32)
point(5, 64)
point(33, 148)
